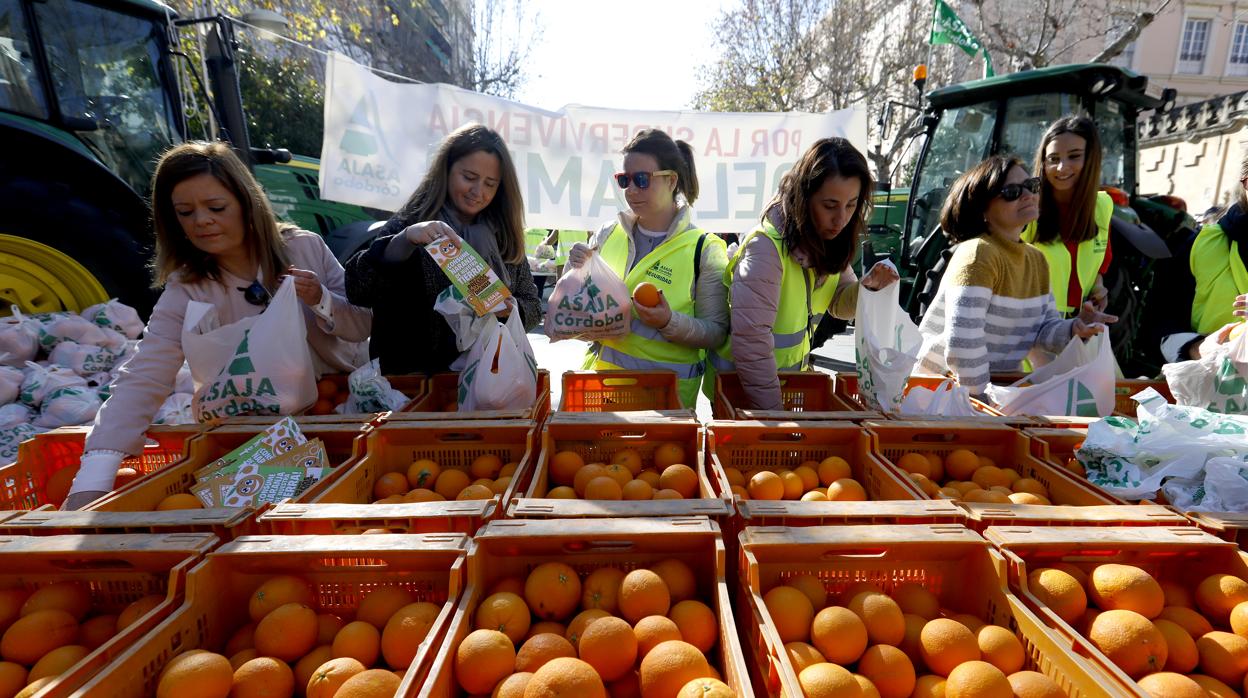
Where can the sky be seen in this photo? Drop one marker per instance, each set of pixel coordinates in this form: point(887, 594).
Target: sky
point(625, 54)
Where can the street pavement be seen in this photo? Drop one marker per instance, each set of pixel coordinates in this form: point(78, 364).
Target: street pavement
point(568, 355)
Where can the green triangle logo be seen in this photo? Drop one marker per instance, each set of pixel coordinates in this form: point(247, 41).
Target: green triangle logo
point(359, 138)
point(1085, 401)
point(241, 365)
point(1228, 380)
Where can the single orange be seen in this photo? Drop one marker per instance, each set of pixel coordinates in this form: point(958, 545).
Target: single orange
point(637, 491)
point(681, 478)
point(1002, 648)
point(585, 475)
point(791, 613)
point(812, 587)
point(405, 631)
point(12, 678)
point(916, 599)
point(421, 474)
point(961, 464)
point(564, 466)
point(358, 640)
point(827, 680)
point(886, 625)
point(390, 485)
point(372, 683)
point(697, 623)
point(565, 677)
point(200, 674)
point(601, 589)
point(839, 635)
point(646, 294)
point(451, 482)
point(486, 466)
point(803, 655)
point(846, 490)
point(945, 644)
point(136, 610)
point(540, 649)
point(603, 488)
point(643, 593)
point(71, 597)
point(263, 677)
point(610, 647)
point(766, 485)
point(379, 604)
point(889, 670)
point(506, 613)
point(513, 686)
point(288, 633)
point(96, 632)
point(306, 667)
point(678, 577)
point(577, 627)
point(482, 659)
point(57, 662)
point(331, 675)
point(1132, 642)
point(278, 591)
point(915, 463)
point(668, 454)
point(630, 459)
point(979, 679)
point(36, 634)
point(671, 665)
point(653, 630)
point(552, 591)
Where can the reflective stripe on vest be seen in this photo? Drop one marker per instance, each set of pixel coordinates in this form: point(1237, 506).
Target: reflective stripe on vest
point(1220, 277)
point(670, 267)
point(800, 304)
point(1091, 256)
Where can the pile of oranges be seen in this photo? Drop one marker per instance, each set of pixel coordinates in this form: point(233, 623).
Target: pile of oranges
point(637, 633)
point(426, 481)
point(50, 630)
point(896, 645)
point(289, 649)
point(327, 396)
point(967, 477)
point(626, 477)
point(1173, 640)
point(830, 480)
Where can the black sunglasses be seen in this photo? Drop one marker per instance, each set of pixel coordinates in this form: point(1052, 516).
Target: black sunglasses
point(256, 294)
point(1012, 192)
point(641, 179)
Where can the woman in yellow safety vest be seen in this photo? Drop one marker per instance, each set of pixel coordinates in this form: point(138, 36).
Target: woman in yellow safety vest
point(795, 266)
point(657, 241)
point(1073, 228)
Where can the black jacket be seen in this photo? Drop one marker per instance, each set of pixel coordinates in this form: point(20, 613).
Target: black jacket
point(409, 336)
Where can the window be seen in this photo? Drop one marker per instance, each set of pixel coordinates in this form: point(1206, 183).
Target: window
point(1194, 47)
point(1237, 62)
point(1028, 117)
point(961, 140)
point(20, 90)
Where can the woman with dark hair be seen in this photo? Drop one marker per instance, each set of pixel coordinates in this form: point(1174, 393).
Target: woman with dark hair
point(1073, 227)
point(471, 194)
point(795, 266)
point(218, 242)
point(993, 305)
point(656, 241)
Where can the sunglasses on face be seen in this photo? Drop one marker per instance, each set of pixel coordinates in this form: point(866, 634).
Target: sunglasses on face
point(641, 179)
point(1012, 192)
point(256, 294)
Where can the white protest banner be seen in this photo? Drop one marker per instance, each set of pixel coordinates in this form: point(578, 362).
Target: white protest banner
point(380, 136)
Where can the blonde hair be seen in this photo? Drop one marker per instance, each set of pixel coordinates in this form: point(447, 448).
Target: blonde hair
point(262, 233)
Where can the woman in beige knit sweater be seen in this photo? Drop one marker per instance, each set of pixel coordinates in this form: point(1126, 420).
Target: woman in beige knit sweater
point(218, 242)
point(994, 304)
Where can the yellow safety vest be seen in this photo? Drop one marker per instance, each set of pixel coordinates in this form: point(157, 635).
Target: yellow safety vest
point(670, 267)
point(532, 238)
point(800, 304)
point(1220, 277)
point(1091, 256)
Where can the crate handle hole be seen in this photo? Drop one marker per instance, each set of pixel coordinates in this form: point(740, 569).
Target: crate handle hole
point(591, 546)
point(93, 564)
point(461, 436)
point(863, 553)
point(618, 434)
point(788, 436)
point(928, 437)
point(619, 381)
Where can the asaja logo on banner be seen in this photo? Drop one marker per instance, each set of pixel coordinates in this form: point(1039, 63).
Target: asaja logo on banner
point(368, 163)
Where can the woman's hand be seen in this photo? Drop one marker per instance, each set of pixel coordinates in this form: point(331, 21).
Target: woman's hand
point(1099, 297)
point(881, 276)
point(1241, 306)
point(656, 317)
point(421, 234)
point(1090, 315)
point(307, 286)
point(1085, 330)
point(579, 255)
point(505, 312)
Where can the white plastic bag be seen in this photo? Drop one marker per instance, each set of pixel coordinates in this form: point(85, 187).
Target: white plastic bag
point(462, 318)
point(78, 329)
point(83, 359)
point(1133, 460)
point(258, 365)
point(176, 409)
point(68, 407)
point(116, 316)
point(184, 382)
point(41, 381)
point(19, 339)
point(371, 392)
point(501, 372)
point(10, 384)
point(589, 303)
point(1217, 381)
point(886, 347)
point(1078, 383)
point(947, 400)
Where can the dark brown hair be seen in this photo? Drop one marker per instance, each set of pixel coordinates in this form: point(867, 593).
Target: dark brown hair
point(671, 155)
point(828, 157)
point(1242, 198)
point(962, 216)
point(1083, 210)
point(506, 210)
point(262, 233)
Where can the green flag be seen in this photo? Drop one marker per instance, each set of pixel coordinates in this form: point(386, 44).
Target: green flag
point(948, 28)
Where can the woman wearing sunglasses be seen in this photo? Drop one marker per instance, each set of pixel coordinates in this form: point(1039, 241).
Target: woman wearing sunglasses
point(795, 266)
point(218, 242)
point(994, 306)
point(1073, 226)
point(470, 193)
point(657, 241)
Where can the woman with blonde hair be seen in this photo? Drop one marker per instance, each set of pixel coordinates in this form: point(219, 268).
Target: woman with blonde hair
point(217, 242)
point(470, 194)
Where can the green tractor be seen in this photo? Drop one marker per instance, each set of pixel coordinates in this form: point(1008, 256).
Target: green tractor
point(89, 99)
point(967, 122)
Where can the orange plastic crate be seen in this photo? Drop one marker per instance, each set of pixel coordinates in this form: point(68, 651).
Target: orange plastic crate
point(341, 571)
point(506, 549)
point(1006, 446)
point(345, 504)
point(442, 394)
point(952, 562)
point(23, 484)
point(1184, 556)
point(343, 443)
point(807, 395)
point(223, 523)
point(1225, 525)
point(619, 391)
point(753, 446)
point(596, 437)
point(117, 570)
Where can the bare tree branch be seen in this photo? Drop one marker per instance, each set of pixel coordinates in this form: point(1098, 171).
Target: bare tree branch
point(1131, 33)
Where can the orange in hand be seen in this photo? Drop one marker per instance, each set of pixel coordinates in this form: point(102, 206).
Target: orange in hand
point(646, 294)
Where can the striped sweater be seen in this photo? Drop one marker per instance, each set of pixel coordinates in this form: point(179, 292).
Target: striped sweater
point(993, 306)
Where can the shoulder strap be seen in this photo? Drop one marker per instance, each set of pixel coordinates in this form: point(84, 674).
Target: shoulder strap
point(697, 261)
